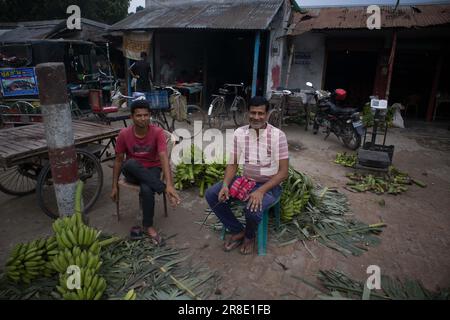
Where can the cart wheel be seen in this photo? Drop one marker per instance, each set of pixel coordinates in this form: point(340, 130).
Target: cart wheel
point(20, 180)
point(89, 171)
point(275, 117)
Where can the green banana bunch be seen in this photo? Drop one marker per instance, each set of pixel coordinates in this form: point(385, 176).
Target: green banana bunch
point(131, 295)
point(27, 261)
point(89, 259)
point(92, 286)
point(297, 193)
point(347, 160)
point(75, 235)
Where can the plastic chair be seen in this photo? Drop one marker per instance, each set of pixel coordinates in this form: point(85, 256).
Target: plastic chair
point(263, 227)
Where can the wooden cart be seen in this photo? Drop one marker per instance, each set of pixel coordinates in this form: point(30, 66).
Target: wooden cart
point(24, 165)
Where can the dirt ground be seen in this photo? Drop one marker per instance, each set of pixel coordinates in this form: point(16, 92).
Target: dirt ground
point(415, 244)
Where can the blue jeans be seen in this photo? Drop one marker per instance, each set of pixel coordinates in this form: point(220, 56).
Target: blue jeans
point(226, 216)
point(149, 181)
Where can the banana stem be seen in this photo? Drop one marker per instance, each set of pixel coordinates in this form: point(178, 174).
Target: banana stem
point(78, 194)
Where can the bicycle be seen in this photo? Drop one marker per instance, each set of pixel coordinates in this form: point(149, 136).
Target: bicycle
point(180, 111)
point(287, 105)
point(217, 111)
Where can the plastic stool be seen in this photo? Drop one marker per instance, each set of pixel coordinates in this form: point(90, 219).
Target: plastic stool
point(263, 227)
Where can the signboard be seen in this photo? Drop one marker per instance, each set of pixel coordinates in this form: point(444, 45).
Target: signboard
point(134, 43)
point(302, 57)
point(18, 82)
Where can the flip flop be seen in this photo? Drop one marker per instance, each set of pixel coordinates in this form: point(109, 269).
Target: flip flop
point(229, 246)
point(136, 233)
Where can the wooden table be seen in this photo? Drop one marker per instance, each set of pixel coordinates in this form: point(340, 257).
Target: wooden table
point(28, 141)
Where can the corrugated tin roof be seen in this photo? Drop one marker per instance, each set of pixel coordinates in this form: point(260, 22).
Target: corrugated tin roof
point(356, 18)
point(37, 30)
point(224, 14)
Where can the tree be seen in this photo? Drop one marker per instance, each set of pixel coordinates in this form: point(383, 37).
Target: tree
point(107, 11)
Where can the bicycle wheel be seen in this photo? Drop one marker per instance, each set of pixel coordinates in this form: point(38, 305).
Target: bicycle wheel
point(240, 114)
point(89, 171)
point(195, 114)
point(275, 117)
point(20, 180)
point(216, 113)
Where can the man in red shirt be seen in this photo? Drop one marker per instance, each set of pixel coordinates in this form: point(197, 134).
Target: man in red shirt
point(146, 153)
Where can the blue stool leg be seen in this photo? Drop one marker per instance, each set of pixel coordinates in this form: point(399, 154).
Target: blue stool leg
point(262, 233)
point(224, 231)
point(277, 210)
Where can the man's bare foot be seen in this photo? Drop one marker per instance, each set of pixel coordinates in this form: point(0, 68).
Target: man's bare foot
point(248, 246)
point(156, 238)
point(234, 241)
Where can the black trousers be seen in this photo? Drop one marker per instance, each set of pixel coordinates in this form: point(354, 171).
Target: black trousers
point(149, 180)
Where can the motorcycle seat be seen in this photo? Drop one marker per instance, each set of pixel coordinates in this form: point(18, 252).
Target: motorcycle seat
point(339, 110)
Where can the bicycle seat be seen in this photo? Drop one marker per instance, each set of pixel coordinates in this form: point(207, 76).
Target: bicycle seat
point(287, 92)
point(233, 85)
point(224, 91)
point(216, 95)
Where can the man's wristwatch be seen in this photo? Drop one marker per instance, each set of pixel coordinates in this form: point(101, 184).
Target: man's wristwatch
point(224, 184)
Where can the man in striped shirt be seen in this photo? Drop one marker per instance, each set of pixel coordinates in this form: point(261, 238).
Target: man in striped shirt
point(263, 151)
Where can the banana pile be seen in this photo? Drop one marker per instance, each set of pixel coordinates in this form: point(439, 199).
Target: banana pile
point(78, 246)
point(297, 192)
point(29, 261)
point(74, 244)
point(394, 182)
point(347, 160)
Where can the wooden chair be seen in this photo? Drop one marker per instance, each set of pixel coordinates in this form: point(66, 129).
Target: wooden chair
point(134, 188)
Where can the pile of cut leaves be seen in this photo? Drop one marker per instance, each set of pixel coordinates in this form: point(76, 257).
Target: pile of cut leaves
point(153, 273)
point(339, 286)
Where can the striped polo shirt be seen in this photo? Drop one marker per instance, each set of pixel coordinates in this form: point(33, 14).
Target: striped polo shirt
point(259, 156)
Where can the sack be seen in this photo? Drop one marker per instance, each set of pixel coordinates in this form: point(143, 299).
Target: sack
point(241, 188)
point(178, 109)
point(397, 120)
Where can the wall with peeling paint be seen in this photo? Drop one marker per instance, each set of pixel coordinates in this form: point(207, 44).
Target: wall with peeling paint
point(277, 48)
point(309, 62)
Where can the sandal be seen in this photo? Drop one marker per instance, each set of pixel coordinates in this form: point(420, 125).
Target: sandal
point(232, 244)
point(136, 233)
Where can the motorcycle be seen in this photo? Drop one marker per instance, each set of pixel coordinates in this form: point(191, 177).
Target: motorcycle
point(345, 123)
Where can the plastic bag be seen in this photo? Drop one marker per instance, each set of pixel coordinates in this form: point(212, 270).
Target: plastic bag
point(397, 120)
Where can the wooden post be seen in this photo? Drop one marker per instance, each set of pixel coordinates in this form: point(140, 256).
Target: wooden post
point(291, 54)
point(434, 88)
point(255, 61)
point(391, 64)
point(58, 131)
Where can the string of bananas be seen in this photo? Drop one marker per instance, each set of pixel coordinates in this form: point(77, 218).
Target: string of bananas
point(297, 192)
point(131, 295)
point(347, 160)
point(71, 231)
point(29, 261)
point(91, 287)
point(394, 182)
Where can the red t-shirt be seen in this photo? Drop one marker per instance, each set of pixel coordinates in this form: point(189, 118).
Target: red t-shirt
point(145, 150)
